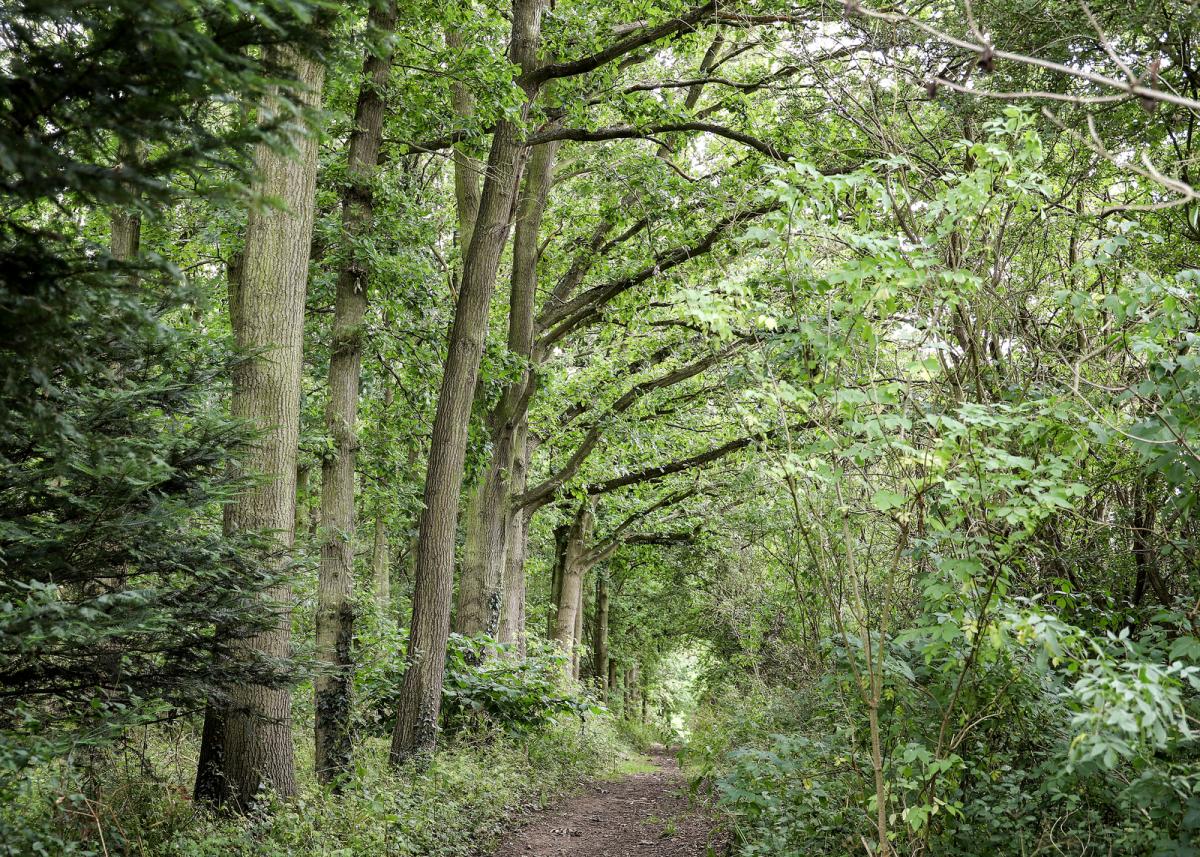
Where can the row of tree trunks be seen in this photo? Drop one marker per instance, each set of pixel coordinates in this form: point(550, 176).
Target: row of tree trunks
point(489, 513)
point(335, 582)
point(421, 691)
point(488, 539)
point(247, 738)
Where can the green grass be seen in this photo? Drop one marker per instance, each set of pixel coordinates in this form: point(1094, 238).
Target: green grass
point(630, 763)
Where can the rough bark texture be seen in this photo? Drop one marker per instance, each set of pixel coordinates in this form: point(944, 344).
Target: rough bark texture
point(577, 635)
point(335, 582)
point(421, 692)
point(125, 233)
point(268, 322)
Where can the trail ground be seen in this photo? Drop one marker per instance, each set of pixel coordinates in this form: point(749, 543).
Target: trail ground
point(645, 813)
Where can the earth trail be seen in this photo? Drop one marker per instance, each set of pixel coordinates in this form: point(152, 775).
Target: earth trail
point(639, 815)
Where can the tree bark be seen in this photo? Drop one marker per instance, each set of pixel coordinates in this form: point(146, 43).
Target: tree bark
point(577, 635)
point(125, 229)
point(487, 518)
point(335, 582)
point(600, 635)
point(484, 551)
point(421, 691)
point(512, 611)
point(381, 563)
point(268, 321)
point(569, 599)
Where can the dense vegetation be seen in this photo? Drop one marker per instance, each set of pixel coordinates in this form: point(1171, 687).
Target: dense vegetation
point(408, 408)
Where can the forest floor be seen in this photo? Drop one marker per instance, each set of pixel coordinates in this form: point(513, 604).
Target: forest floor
point(642, 813)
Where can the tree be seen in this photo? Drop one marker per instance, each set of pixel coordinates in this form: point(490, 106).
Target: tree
point(115, 452)
point(335, 608)
point(248, 736)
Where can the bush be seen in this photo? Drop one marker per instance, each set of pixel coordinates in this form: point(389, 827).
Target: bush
point(486, 685)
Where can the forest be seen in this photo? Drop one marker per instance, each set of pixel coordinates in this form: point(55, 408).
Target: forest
point(599, 427)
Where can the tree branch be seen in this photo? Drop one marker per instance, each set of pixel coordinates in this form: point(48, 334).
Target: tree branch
point(544, 492)
point(637, 39)
point(573, 314)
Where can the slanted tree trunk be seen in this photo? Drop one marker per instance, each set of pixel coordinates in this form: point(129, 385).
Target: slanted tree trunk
point(421, 691)
point(255, 726)
point(335, 587)
point(600, 665)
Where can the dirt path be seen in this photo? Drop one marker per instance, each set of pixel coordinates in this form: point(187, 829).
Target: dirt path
point(640, 815)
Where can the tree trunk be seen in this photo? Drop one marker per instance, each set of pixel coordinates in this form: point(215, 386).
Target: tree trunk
point(574, 566)
point(335, 587)
point(487, 519)
point(512, 611)
point(268, 322)
point(561, 533)
point(421, 691)
point(125, 230)
point(577, 639)
point(381, 564)
point(600, 636)
point(631, 684)
point(484, 551)
point(613, 678)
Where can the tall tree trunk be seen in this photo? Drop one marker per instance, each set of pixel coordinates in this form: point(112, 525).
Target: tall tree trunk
point(631, 690)
point(484, 551)
point(125, 230)
point(467, 169)
point(613, 678)
point(381, 563)
point(512, 611)
point(421, 691)
point(268, 323)
point(569, 599)
point(487, 518)
point(561, 534)
point(600, 635)
point(335, 588)
point(577, 635)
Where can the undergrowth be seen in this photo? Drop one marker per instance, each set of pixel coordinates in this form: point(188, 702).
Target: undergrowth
point(458, 804)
